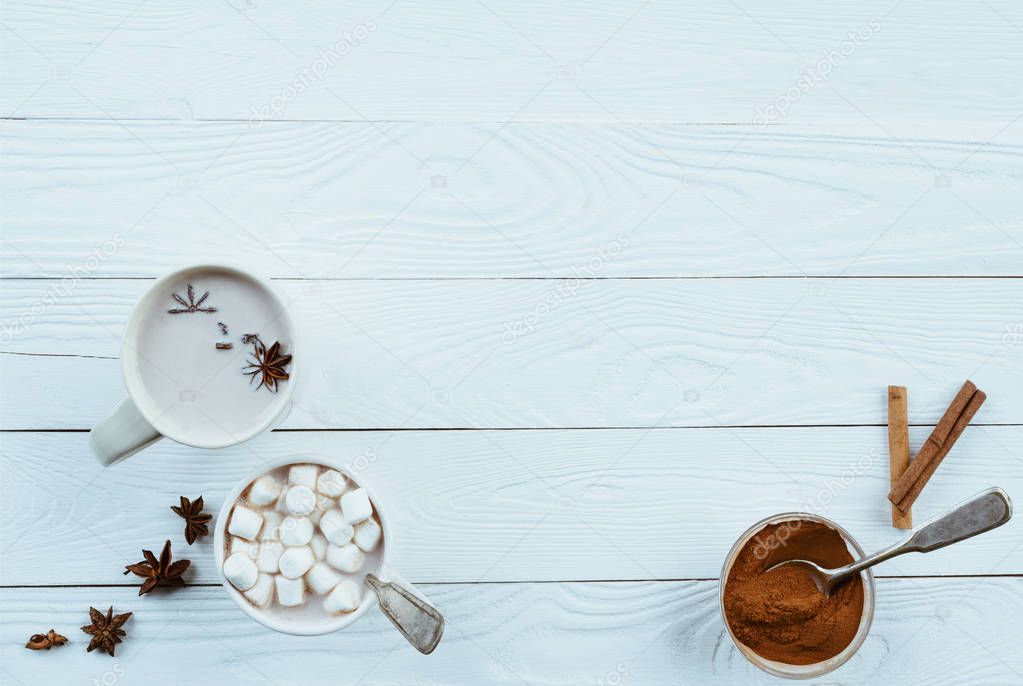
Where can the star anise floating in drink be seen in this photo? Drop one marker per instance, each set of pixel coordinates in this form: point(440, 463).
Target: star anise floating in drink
point(268, 363)
point(106, 630)
point(191, 305)
point(195, 519)
point(158, 572)
point(51, 639)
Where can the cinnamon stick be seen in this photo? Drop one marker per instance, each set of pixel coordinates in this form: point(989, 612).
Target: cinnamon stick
point(898, 447)
point(955, 420)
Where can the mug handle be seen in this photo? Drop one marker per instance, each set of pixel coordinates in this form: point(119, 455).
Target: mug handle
point(419, 622)
point(122, 434)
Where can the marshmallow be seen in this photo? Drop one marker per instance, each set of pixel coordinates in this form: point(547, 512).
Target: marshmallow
point(344, 597)
point(269, 556)
point(264, 490)
point(245, 522)
point(241, 571)
point(367, 535)
point(335, 528)
point(319, 545)
point(290, 592)
point(347, 558)
point(262, 593)
point(303, 475)
point(323, 503)
point(331, 483)
point(300, 500)
point(243, 547)
point(321, 578)
point(296, 561)
point(281, 504)
point(355, 506)
point(271, 526)
point(296, 531)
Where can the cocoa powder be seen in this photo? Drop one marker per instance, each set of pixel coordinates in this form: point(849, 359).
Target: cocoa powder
point(781, 614)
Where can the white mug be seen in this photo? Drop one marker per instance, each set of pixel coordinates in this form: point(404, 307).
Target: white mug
point(180, 384)
point(407, 608)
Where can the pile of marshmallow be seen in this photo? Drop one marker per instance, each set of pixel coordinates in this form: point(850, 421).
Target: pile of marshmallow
point(289, 537)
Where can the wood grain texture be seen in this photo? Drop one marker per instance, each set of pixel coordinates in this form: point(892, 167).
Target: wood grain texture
point(691, 62)
point(605, 353)
point(319, 200)
point(939, 632)
point(492, 506)
point(420, 197)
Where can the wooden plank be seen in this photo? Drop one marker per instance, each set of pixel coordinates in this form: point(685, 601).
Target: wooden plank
point(320, 200)
point(691, 62)
point(606, 633)
point(471, 505)
point(606, 353)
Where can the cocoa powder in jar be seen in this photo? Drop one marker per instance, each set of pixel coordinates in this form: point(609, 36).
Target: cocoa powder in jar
point(781, 615)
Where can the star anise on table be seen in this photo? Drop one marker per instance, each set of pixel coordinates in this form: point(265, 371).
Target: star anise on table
point(50, 639)
point(106, 631)
point(268, 363)
point(195, 518)
point(191, 305)
point(158, 572)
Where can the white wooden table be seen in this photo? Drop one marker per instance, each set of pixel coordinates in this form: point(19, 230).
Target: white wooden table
point(587, 305)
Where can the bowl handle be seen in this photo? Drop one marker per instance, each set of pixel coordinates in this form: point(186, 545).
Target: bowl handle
point(122, 434)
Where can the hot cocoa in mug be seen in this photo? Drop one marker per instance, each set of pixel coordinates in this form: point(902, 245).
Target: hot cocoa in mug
point(209, 361)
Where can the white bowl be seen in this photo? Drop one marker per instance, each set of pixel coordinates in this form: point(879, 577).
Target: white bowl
point(278, 622)
point(133, 331)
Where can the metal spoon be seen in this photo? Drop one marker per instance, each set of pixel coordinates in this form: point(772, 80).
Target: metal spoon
point(418, 621)
point(983, 512)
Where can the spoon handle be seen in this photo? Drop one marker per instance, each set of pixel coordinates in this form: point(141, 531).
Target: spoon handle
point(418, 621)
point(983, 512)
